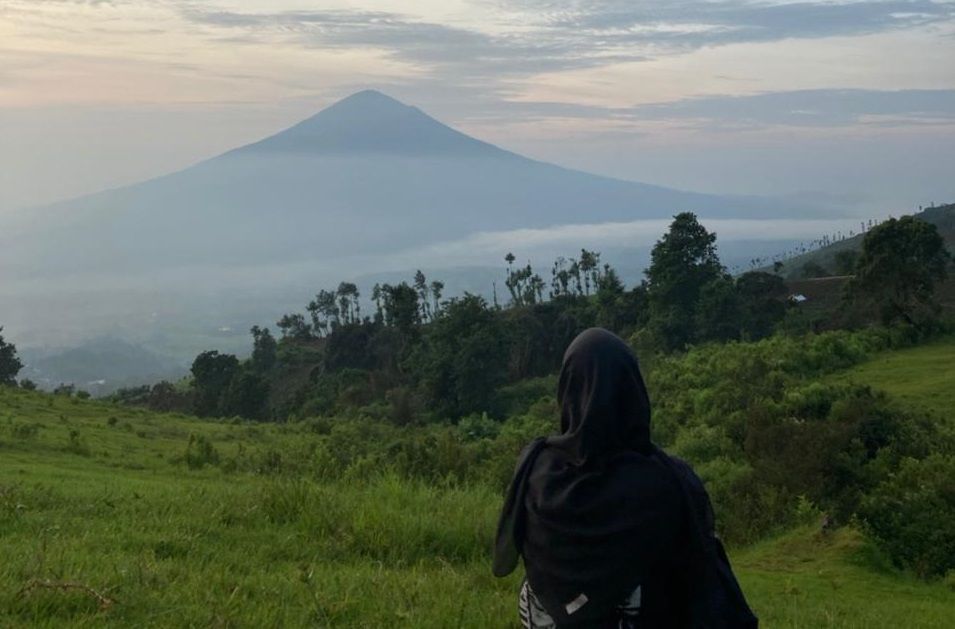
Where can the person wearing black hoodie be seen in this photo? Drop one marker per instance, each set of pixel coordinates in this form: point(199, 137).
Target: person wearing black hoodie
point(613, 531)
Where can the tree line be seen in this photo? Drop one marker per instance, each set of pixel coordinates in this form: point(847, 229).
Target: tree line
point(418, 356)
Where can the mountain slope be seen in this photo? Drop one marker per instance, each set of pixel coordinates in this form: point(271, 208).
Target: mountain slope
point(942, 216)
point(366, 175)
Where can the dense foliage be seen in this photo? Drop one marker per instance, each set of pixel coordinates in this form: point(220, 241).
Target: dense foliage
point(902, 260)
point(10, 365)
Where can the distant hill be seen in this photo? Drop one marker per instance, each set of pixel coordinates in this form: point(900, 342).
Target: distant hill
point(99, 366)
point(366, 175)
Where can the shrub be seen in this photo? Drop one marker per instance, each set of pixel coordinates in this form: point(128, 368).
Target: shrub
point(200, 452)
point(65, 390)
point(76, 444)
point(25, 431)
point(909, 515)
point(478, 426)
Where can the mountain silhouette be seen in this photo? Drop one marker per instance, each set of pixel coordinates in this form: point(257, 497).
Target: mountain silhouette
point(371, 122)
point(366, 175)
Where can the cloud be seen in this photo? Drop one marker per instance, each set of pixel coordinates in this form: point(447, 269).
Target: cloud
point(808, 108)
point(485, 248)
point(694, 24)
point(553, 37)
point(798, 108)
point(436, 46)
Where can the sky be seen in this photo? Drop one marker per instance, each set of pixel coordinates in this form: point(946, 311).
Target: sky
point(852, 102)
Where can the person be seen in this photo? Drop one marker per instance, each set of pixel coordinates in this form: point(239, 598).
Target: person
point(613, 532)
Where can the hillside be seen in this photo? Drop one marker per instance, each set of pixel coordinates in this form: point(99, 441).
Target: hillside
point(176, 521)
point(921, 376)
point(99, 366)
point(942, 216)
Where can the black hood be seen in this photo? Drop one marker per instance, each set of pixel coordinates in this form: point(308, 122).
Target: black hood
point(603, 400)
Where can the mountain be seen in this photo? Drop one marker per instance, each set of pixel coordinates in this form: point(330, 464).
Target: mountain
point(99, 366)
point(368, 175)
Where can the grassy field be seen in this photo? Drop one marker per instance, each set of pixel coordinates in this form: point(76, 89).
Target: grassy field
point(923, 375)
point(117, 500)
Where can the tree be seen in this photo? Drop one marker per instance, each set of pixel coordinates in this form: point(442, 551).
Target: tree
point(349, 307)
point(401, 307)
point(901, 261)
point(525, 286)
point(718, 311)
point(264, 349)
point(436, 288)
point(560, 278)
point(681, 264)
point(325, 311)
point(464, 357)
point(762, 303)
point(589, 265)
point(293, 326)
point(246, 395)
point(424, 294)
point(610, 298)
point(212, 373)
point(10, 364)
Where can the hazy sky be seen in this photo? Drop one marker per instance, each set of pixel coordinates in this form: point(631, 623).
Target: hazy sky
point(852, 99)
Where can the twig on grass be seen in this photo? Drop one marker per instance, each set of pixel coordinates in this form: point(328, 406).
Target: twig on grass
point(104, 601)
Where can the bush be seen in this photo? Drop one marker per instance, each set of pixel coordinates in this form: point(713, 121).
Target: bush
point(910, 515)
point(77, 444)
point(200, 452)
point(25, 431)
point(476, 427)
point(65, 390)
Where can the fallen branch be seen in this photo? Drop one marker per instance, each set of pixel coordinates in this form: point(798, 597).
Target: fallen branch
point(104, 601)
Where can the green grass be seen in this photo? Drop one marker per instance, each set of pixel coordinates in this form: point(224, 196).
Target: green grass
point(102, 496)
point(810, 579)
point(922, 375)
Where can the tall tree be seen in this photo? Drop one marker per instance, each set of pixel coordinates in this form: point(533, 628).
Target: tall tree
point(436, 287)
point(10, 364)
point(681, 264)
point(589, 265)
point(294, 326)
point(212, 374)
point(901, 261)
point(325, 312)
point(349, 308)
point(401, 307)
point(264, 349)
point(424, 294)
